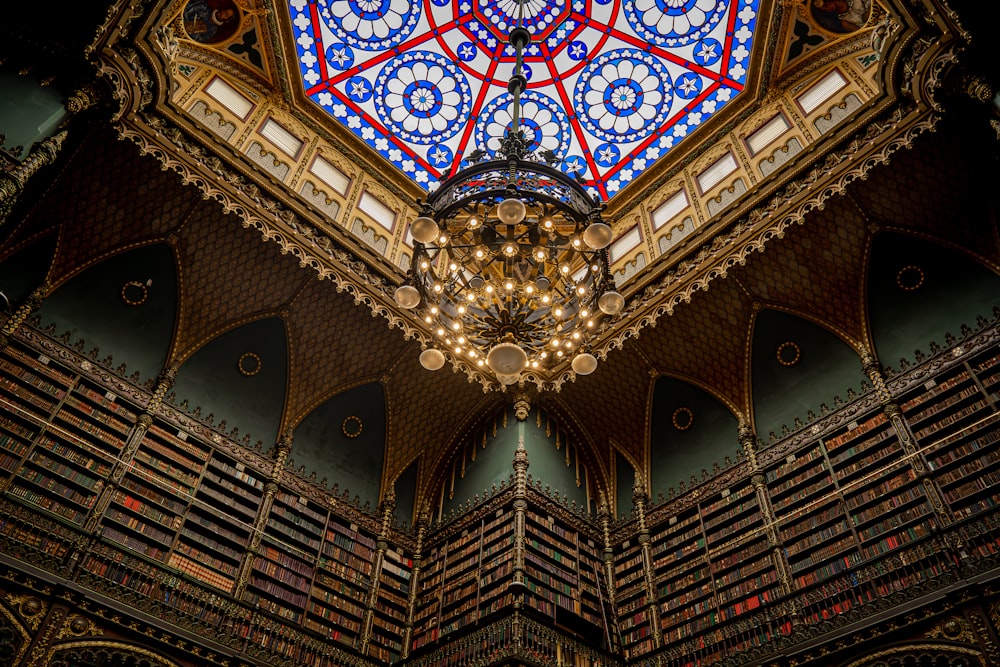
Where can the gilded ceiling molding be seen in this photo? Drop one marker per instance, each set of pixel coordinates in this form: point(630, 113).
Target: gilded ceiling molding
point(732, 248)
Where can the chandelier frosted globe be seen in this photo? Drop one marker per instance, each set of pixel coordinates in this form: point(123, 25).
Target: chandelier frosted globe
point(597, 236)
point(424, 229)
point(584, 363)
point(407, 296)
point(432, 359)
point(511, 211)
point(507, 359)
point(611, 303)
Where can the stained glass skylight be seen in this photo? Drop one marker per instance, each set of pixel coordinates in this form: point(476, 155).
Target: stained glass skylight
point(613, 85)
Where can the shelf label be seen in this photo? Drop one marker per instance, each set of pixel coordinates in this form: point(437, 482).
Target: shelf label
point(111, 396)
point(790, 458)
point(853, 425)
point(45, 360)
point(239, 466)
point(672, 521)
point(930, 384)
point(725, 493)
point(303, 501)
point(181, 435)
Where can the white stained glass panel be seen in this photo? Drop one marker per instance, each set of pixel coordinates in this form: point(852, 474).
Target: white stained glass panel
point(377, 211)
point(719, 169)
point(287, 142)
point(625, 244)
point(767, 133)
point(821, 91)
point(330, 175)
point(669, 209)
point(229, 97)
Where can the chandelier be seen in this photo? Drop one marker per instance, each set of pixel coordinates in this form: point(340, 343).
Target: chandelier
point(510, 266)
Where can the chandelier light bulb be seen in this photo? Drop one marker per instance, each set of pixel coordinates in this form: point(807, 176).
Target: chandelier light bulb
point(581, 290)
point(443, 239)
point(511, 211)
point(453, 267)
point(509, 249)
point(509, 286)
point(597, 235)
point(440, 331)
point(438, 287)
point(489, 288)
point(461, 340)
point(546, 299)
point(424, 229)
point(507, 359)
point(473, 222)
point(529, 289)
point(547, 223)
point(611, 303)
point(564, 268)
point(461, 309)
point(432, 359)
point(576, 242)
point(424, 264)
point(434, 310)
point(456, 325)
point(479, 253)
point(584, 363)
point(540, 255)
point(406, 296)
point(558, 312)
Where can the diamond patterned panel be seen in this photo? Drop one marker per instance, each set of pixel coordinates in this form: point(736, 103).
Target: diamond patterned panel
point(935, 190)
point(107, 198)
point(228, 275)
point(337, 344)
point(818, 272)
point(705, 341)
point(334, 344)
point(612, 403)
point(428, 413)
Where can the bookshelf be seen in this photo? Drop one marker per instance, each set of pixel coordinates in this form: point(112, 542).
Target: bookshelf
point(214, 530)
point(853, 520)
point(343, 578)
point(391, 606)
point(561, 567)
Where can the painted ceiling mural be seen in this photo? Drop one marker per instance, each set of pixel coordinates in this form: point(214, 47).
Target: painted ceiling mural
point(613, 85)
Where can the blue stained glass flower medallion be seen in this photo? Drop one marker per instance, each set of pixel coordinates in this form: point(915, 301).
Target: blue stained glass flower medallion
point(614, 85)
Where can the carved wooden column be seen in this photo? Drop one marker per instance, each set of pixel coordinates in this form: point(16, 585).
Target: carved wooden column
point(28, 306)
point(421, 525)
point(892, 410)
point(604, 517)
point(748, 441)
point(12, 182)
point(639, 500)
point(385, 509)
point(281, 451)
point(520, 506)
point(163, 384)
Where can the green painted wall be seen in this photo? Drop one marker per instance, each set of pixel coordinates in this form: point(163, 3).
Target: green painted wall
point(352, 463)
point(406, 493)
point(955, 290)
point(90, 307)
point(29, 112)
point(494, 463)
point(826, 366)
point(212, 380)
point(624, 479)
point(706, 432)
point(21, 273)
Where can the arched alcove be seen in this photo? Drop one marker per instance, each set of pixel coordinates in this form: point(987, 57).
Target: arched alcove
point(796, 366)
point(689, 430)
point(23, 271)
point(125, 306)
point(918, 290)
point(343, 441)
point(239, 376)
point(486, 460)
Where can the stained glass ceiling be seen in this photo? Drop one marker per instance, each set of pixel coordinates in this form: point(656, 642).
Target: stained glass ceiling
point(613, 85)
